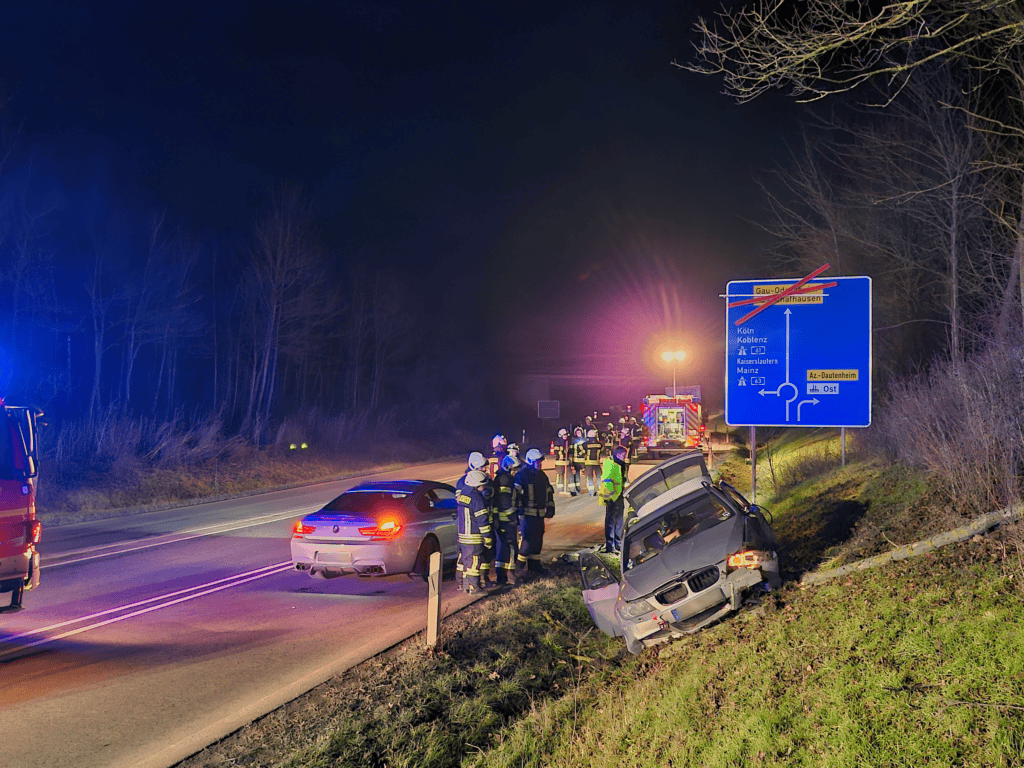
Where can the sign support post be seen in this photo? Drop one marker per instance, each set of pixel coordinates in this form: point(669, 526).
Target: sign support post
point(753, 465)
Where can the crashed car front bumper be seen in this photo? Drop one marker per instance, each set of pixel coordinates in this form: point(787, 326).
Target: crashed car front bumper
point(692, 612)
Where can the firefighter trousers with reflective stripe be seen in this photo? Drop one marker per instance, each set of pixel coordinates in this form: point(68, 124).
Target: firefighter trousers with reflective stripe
point(487, 556)
point(531, 539)
point(469, 563)
point(507, 542)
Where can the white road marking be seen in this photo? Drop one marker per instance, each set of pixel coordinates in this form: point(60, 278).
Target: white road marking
point(164, 601)
point(210, 530)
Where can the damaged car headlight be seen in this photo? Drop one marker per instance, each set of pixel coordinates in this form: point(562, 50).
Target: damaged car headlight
point(633, 609)
point(751, 558)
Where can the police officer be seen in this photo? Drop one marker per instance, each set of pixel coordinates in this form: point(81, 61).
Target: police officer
point(474, 526)
point(505, 520)
point(534, 500)
point(577, 458)
point(592, 461)
point(561, 445)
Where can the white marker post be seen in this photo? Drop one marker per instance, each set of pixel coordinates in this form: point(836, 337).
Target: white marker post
point(434, 599)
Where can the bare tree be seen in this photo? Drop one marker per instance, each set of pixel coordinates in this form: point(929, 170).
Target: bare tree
point(826, 47)
point(393, 329)
point(286, 297)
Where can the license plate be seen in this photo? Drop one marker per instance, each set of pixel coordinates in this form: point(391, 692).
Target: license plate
point(337, 558)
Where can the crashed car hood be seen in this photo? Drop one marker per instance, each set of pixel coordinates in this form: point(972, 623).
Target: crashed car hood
point(708, 547)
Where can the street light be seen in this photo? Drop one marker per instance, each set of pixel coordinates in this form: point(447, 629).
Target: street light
point(673, 357)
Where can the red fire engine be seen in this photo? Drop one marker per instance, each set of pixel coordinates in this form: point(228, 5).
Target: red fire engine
point(19, 529)
point(673, 423)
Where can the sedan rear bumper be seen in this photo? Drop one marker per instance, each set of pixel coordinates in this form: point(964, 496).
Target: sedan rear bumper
point(373, 558)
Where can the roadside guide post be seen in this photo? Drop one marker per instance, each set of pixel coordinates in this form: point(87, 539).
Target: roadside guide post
point(434, 599)
point(798, 354)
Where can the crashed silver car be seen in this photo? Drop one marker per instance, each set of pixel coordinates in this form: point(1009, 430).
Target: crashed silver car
point(691, 551)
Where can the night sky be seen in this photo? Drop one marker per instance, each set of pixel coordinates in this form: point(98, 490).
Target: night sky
point(540, 168)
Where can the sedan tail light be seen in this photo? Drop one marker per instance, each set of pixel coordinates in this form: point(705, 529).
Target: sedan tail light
point(383, 531)
point(300, 528)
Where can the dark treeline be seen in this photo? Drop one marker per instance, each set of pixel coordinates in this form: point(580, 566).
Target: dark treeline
point(115, 309)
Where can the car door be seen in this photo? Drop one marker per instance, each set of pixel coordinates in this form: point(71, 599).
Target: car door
point(441, 509)
point(600, 591)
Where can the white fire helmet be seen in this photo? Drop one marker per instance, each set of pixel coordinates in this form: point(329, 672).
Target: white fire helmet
point(477, 460)
point(476, 478)
point(533, 456)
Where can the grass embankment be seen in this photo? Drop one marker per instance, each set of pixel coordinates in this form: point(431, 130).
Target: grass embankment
point(915, 663)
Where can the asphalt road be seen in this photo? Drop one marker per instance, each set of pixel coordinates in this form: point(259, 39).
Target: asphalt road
point(153, 636)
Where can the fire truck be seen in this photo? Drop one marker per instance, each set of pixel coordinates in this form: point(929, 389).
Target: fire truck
point(673, 423)
point(19, 529)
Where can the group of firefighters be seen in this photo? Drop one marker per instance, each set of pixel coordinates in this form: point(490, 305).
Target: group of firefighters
point(503, 501)
point(580, 452)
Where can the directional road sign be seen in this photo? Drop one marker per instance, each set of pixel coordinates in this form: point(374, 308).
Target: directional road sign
point(804, 361)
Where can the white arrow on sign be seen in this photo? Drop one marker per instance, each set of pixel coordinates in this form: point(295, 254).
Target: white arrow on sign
point(799, 405)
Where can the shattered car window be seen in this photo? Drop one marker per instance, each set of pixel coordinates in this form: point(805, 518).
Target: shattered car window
point(649, 539)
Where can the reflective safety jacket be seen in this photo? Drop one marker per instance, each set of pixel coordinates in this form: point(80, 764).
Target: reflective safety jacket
point(503, 496)
point(609, 439)
point(593, 452)
point(473, 516)
point(532, 493)
point(578, 451)
point(494, 463)
point(611, 480)
point(561, 452)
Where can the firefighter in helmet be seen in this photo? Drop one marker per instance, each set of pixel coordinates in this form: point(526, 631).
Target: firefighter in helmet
point(561, 451)
point(499, 447)
point(505, 521)
point(534, 500)
point(474, 527)
point(626, 441)
point(592, 461)
point(577, 459)
point(475, 462)
point(609, 439)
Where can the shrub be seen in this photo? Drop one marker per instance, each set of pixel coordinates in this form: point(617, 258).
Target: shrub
point(962, 422)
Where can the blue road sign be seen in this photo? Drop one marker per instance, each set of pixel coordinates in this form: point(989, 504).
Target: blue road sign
point(804, 361)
